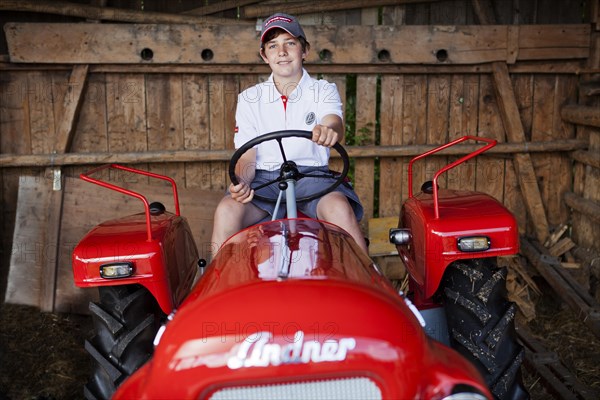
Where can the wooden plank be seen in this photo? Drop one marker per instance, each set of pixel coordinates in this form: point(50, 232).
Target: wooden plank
point(14, 123)
point(195, 128)
point(542, 129)
point(560, 248)
point(391, 170)
point(379, 236)
point(126, 106)
point(41, 112)
point(529, 40)
point(164, 120)
point(438, 104)
point(566, 89)
point(414, 127)
point(91, 125)
point(31, 248)
point(581, 115)
point(556, 235)
point(182, 44)
point(523, 165)
point(222, 100)
point(490, 172)
point(364, 170)
point(464, 106)
point(83, 210)
point(393, 15)
point(513, 198)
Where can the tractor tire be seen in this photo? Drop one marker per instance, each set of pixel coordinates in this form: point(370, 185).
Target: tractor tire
point(126, 320)
point(481, 324)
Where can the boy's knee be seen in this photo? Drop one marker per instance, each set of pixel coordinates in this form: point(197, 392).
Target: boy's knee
point(334, 205)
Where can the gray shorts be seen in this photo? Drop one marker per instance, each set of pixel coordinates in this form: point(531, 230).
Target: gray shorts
point(304, 187)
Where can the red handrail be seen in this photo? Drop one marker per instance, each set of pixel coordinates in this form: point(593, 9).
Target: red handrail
point(491, 143)
point(86, 177)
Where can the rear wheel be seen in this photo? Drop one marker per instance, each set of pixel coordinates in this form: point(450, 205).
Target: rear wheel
point(126, 320)
point(481, 323)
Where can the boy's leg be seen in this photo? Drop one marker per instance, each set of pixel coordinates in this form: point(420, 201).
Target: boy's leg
point(231, 217)
point(335, 208)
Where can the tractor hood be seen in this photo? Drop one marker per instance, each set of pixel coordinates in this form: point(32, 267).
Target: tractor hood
point(295, 305)
point(289, 249)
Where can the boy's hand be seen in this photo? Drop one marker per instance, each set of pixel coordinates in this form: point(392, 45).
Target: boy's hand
point(324, 135)
point(241, 192)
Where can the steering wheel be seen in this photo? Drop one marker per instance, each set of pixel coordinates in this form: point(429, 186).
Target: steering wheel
point(289, 169)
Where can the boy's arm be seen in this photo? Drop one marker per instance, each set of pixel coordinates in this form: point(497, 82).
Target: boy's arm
point(244, 170)
point(329, 131)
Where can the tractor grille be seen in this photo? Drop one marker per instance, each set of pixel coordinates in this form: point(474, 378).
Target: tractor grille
point(347, 388)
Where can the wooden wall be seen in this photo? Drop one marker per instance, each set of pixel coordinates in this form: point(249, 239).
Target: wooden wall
point(129, 110)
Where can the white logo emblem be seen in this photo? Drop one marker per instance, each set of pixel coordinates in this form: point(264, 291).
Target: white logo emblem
point(258, 350)
point(310, 118)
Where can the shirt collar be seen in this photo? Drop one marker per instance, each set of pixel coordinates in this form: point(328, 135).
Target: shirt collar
point(305, 78)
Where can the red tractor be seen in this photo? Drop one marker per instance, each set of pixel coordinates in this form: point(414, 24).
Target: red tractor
point(449, 241)
point(289, 308)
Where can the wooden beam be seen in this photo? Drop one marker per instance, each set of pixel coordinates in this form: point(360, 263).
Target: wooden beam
point(581, 115)
point(550, 67)
point(484, 12)
point(84, 43)
point(587, 157)
point(584, 305)
point(166, 156)
point(107, 13)
point(525, 172)
point(310, 7)
point(589, 208)
point(591, 88)
point(222, 5)
point(555, 376)
point(72, 102)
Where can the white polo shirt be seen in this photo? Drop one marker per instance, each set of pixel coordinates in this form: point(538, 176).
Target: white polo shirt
point(261, 109)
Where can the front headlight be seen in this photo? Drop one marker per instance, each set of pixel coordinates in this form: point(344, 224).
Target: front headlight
point(474, 243)
point(465, 396)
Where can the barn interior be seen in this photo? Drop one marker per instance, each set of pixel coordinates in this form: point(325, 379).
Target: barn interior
point(154, 85)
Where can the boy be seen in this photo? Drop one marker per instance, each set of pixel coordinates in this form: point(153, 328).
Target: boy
point(289, 100)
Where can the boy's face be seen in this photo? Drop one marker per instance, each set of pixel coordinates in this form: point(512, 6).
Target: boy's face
point(284, 55)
